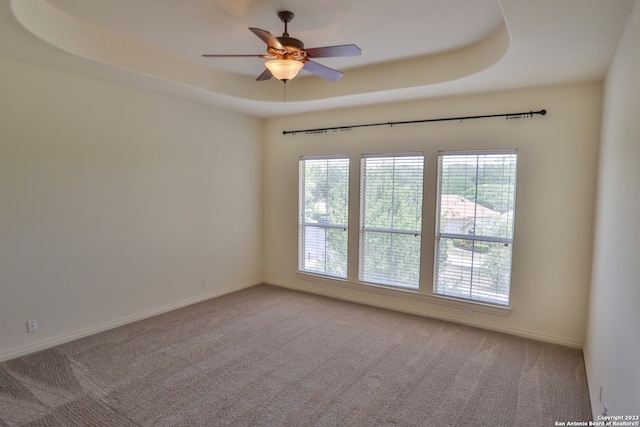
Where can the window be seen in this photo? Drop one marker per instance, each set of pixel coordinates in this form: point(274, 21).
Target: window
point(474, 230)
point(391, 219)
point(324, 207)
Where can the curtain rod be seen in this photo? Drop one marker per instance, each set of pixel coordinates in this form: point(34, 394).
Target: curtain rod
point(446, 119)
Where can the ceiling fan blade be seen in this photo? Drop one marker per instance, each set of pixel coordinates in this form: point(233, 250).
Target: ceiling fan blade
point(214, 55)
point(267, 37)
point(266, 75)
point(323, 71)
point(334, 51)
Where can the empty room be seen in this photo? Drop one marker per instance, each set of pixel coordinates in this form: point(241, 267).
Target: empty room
point(336, 213)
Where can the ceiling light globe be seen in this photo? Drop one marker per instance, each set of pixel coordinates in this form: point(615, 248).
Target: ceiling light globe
point(284, 69)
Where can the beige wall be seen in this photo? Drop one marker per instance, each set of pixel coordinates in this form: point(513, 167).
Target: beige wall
point(555, 199)
point(116, 202)
point(612, 352)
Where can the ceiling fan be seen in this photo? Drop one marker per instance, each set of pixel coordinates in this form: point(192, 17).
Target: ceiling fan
point(287, 55)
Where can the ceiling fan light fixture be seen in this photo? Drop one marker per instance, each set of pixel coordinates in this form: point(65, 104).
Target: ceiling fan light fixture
point(284, 69)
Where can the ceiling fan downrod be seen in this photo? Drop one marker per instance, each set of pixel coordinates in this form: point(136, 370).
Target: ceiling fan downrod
point(286, 17)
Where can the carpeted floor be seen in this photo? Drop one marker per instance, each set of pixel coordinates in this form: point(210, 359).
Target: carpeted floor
point(267, 356)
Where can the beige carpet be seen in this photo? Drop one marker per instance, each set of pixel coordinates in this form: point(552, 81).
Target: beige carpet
point(267, 356)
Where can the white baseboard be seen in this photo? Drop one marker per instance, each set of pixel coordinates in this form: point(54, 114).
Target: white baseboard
point(392, 304)
point(594, 388)
point(80, 333)
point(362, 299)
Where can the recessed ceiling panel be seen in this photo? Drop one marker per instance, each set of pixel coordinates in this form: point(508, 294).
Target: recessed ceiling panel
point(385, 31)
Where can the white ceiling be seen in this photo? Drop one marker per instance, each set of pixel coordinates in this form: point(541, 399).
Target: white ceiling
point(410, 49)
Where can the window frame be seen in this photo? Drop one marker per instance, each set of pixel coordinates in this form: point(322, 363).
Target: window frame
point(473, 238)
point(326, 226)
point(365, 229)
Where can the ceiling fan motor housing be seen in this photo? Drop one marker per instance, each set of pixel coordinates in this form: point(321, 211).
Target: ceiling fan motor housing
point(293, 47)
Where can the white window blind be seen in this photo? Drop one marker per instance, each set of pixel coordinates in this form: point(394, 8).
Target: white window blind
point(474, 230)
point(323, 216)
point(391, 219)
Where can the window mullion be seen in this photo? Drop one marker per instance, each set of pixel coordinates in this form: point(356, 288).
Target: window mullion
point(478, 238)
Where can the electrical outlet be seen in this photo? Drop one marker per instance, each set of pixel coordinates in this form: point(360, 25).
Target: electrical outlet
point(32, 326)
point(204, 282)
